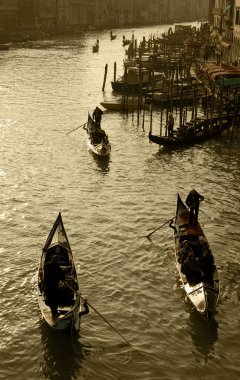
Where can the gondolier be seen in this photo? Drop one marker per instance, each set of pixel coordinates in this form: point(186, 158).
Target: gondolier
point(97, 116)
point(193, 200)
point(170, 125)
point(97, 139)
point(53, 274)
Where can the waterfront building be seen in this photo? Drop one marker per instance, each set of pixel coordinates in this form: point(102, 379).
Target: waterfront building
point(236, 34)
point(188, 10)
point(8, 15)
point(68, 16)
point(223, 25)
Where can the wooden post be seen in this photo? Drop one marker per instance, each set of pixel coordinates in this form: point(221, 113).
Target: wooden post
point(115, 71)
point(143, 119)
point(161, 118)
point(140, 91)
point(151, 118)
point(105, 77)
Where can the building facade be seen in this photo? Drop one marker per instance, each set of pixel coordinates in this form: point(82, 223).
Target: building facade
point(225, 30)
point(75, 15)
point(188, 10)
point(8, 15)
point(235, 50)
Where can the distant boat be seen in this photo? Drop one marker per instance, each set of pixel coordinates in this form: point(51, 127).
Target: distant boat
point(5, 46)
point(95, 47)
point(113, 36)
point(125, 42)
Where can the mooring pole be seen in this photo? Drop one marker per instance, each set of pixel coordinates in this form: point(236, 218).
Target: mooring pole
point(105, 77)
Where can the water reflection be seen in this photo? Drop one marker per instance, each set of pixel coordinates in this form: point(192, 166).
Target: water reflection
point(62, 355)
point(102, 162)
point(204, 334)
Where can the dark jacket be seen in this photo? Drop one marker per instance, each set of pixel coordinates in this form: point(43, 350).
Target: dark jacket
point(193, 199)
point(97, 114)
point(52, 275)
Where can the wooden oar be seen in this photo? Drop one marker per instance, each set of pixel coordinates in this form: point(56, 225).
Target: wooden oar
point(101, 316)
point(168, 221)
point(97, 312)
point(75, 129)
point(158, 228)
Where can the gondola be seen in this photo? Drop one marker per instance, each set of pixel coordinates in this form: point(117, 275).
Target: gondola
point(202, 293)
point(190, 134)
point(97, 139)
point(134, 80)
point(113, 36)
point(122, 104)
point(68, 295)
point(5, 46)
point(126, 42)
point(95, 47)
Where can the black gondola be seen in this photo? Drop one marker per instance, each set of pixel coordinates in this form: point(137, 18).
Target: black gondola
point(203, 293)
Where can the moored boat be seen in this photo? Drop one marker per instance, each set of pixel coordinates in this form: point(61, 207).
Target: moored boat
point(68, 299)
point(97, 139)
point(134, 79)
point(5, 46)
point(121, 104)
point(201, 289)
point(194, 132)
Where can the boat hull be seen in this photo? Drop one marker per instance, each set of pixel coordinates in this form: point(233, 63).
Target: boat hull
point(204, 294)
point(97, 140)
point(191, 139)
point(99, 149)
point(121, 105)
point(67, 294)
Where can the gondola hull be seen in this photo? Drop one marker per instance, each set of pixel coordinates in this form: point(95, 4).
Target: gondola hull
point(203, 294)
point(97, 140)
point(68, 296)
point(193, 138)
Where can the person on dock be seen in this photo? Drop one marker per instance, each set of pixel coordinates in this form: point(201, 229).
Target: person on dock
point(170, 125)
point(206, 53)
point(53, 274)
point(97, 116)
point(193, 200)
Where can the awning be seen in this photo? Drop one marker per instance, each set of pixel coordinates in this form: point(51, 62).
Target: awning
point(214, 34)
point(226, 45)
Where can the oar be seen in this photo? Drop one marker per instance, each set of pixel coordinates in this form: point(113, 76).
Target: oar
point(168, 221)
point(75, 128)
point(100, 315)
point(158, 228)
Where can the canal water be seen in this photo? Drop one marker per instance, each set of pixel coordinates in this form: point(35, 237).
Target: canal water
point(108, 207)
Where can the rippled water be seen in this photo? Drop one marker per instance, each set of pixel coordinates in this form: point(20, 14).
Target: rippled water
point(47, 89)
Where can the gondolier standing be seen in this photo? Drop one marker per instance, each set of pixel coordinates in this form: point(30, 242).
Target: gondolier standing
point(193, 200)
point(170, 125)
point(97, 116)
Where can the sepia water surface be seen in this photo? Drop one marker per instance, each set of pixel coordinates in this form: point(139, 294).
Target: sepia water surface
point(108, 206)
